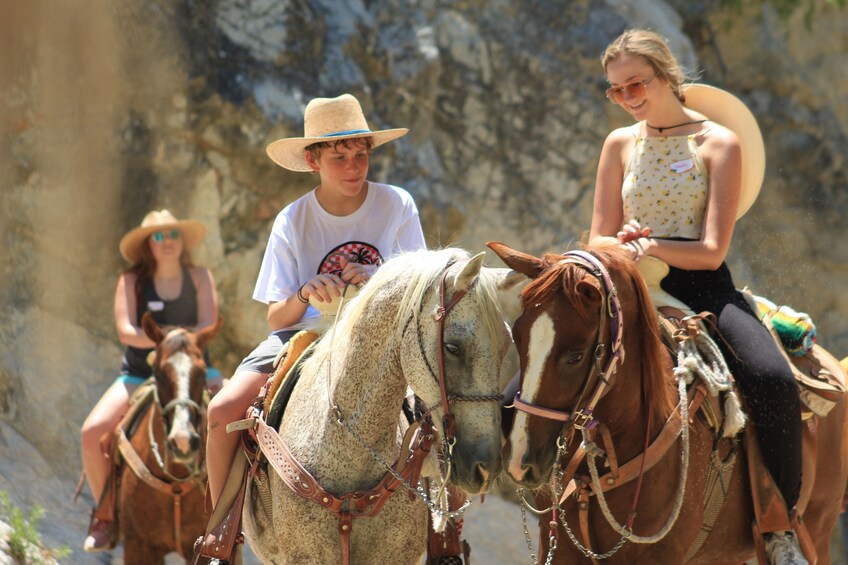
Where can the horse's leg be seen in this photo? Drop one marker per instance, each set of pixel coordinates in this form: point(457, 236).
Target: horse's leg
point(138, 551)
point(828, 484)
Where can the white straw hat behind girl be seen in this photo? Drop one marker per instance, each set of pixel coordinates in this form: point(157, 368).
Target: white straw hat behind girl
point(724, 108)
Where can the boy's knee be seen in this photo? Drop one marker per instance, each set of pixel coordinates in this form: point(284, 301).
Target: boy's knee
point(224, 409)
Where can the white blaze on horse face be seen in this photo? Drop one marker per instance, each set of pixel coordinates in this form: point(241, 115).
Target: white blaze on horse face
point(181, 422)
point(538, 350)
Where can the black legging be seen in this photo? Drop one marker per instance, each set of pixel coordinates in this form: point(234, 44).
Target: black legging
point(760, 370)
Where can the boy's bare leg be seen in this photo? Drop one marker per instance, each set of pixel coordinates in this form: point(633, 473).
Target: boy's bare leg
point(229, 405)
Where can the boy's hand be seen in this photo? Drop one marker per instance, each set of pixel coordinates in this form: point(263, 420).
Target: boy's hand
point(323, 287)
point(355, 273)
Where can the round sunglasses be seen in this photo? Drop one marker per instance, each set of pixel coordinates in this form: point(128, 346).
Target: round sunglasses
point(161, 236)
point(616, 94)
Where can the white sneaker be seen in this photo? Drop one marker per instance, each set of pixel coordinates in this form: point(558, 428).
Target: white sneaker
point(782, 548)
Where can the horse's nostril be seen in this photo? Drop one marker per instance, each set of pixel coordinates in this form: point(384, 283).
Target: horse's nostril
point(194, 442)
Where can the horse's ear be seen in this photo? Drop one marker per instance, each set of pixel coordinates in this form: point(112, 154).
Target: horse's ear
point(469, 272)
point(205, 335)
point(589, 289)
point(516, 260)
point(151, 328)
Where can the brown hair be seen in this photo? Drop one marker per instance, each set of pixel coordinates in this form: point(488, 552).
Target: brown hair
point(349, 143)
point(145, 267)
point(654, 49)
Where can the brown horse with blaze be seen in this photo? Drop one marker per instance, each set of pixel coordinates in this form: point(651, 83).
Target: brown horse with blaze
point(591, 357)
point(161, 446)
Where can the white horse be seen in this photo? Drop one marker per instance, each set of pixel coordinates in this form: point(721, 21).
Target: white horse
point(384, 341)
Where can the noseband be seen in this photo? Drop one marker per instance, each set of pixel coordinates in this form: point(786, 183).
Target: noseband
point(582, 417)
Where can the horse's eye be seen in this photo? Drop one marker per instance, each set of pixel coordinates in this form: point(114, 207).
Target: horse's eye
point(452, 348)
point(573, 358)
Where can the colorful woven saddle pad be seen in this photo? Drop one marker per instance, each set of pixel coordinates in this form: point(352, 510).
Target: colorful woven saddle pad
point(819, 375)
point(796, 330)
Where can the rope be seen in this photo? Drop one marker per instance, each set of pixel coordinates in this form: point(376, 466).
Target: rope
point(698, 356)
point(592, 451)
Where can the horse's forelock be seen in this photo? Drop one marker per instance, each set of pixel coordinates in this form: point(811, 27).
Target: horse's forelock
point(487, 300)
point(175, 340)
point(557, 276)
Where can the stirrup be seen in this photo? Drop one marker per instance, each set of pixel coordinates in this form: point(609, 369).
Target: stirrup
point(101, 536)
point(782, 548)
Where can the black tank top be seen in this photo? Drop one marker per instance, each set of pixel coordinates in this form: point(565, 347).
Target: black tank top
point(182, 311)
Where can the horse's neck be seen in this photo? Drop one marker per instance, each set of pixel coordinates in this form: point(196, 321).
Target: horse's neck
point(370, 386)
point(621, 409)
point(363, 378)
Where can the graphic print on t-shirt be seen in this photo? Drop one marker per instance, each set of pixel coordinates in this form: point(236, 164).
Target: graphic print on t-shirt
point(355, 252)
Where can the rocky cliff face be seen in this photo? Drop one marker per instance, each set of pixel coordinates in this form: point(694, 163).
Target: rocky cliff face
point(110, 108)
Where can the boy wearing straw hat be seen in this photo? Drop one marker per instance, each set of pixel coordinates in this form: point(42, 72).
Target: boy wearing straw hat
point(336, 234)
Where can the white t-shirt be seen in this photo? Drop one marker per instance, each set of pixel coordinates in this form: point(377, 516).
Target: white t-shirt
point(307, 240)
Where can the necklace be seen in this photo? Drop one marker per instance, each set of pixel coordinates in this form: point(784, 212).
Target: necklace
point(675, 125)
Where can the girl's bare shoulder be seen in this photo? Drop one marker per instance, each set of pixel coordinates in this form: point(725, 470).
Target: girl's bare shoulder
point(716, 137)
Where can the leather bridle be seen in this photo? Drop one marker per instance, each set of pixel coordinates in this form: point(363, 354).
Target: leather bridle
point(582, 416)
point(440, 315)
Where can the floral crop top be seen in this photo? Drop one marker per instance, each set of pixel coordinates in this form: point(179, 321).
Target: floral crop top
point(665, 186)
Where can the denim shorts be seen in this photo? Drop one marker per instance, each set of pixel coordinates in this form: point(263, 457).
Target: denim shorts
point(211, 373)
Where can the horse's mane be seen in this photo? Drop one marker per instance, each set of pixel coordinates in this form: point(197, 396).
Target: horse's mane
point(417, 272)
point(658, 399)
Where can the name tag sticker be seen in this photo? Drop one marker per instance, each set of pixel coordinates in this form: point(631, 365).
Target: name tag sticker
point(683, 166)
point(155, 305)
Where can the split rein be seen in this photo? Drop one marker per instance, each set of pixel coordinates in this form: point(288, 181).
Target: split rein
point(582, 419)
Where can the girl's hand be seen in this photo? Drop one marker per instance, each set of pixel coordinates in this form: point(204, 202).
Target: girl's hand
point(632, 230)
point(635, 247)
point(322, 287)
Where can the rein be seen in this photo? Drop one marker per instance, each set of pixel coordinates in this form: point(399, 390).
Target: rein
point(448, 419)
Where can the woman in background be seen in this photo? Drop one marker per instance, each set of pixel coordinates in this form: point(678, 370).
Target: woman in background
point(162, 281)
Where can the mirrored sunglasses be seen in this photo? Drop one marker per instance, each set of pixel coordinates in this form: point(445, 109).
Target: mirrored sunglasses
point(160, 236)
point(616, 94)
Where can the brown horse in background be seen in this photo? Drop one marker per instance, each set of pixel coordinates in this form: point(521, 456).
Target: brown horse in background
point(161, 446)
point(564, 335)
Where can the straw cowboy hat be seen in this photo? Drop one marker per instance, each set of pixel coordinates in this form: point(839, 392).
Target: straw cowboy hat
point(327, 119)
point(725, 109)
point(159, 220)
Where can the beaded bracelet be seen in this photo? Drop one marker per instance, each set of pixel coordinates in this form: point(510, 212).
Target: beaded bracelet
point(300, 296)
